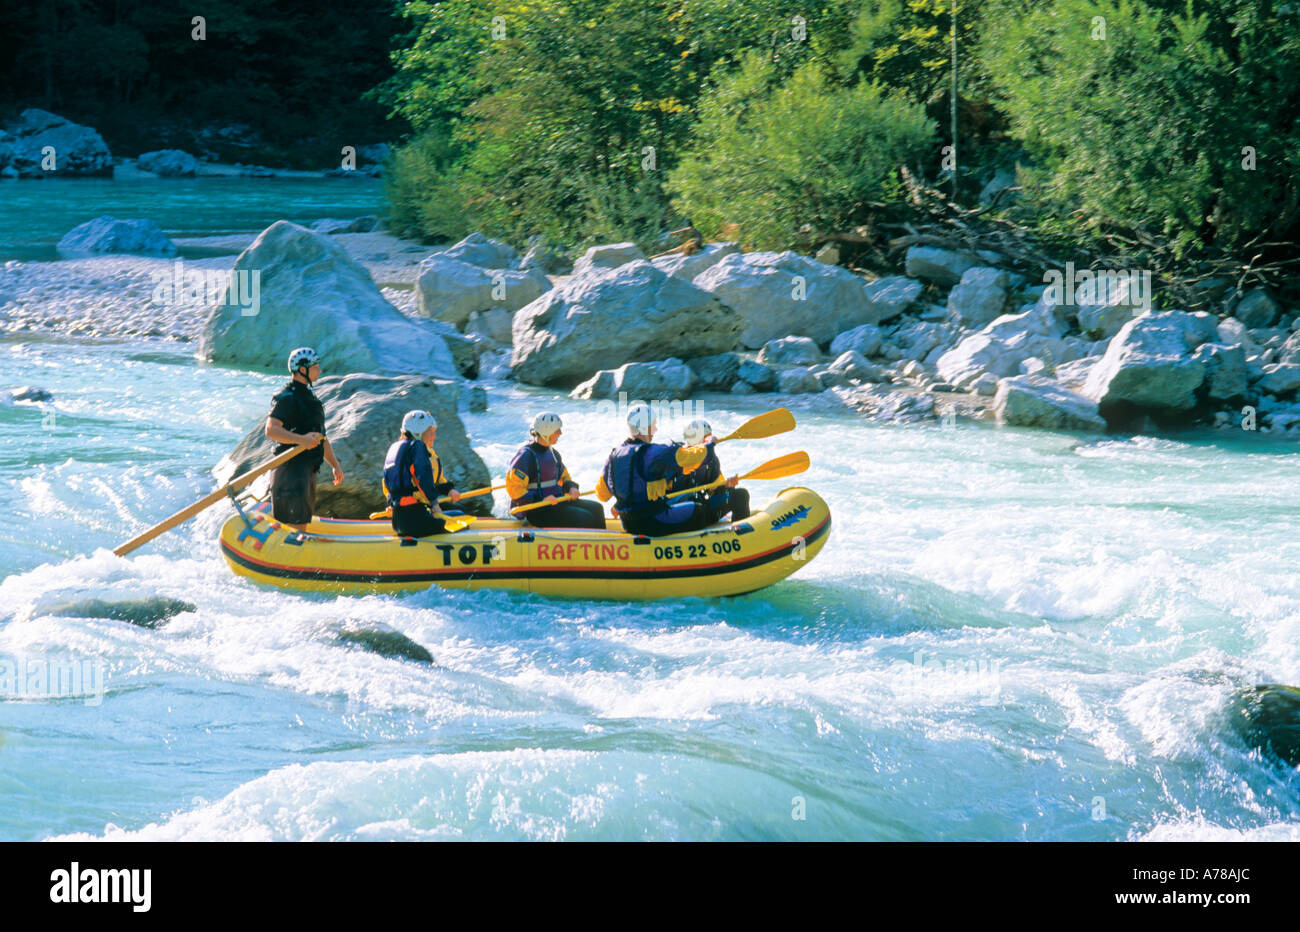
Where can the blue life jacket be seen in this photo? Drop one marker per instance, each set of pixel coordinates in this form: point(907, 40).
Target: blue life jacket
point(407, 470)
point(629, 470)
point(707, 472)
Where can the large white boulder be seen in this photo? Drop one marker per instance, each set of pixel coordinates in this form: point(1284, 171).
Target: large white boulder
point(668, 380)
point(864, 338)
point(941, 266)
point(1227, 377)
point(108, 234)
point(1256, 309)
point(1036, 401)
point(76, 149)
point(1107, 303)
point(1003, 345)
point(1281, 378)
point(363, 415)
point(777, 293)
point(477, 249)
point(892, 296)
point(452, 290)
point(980, 297)
point(791, 350)
point(610, 256)
point(607, 318)
point(310, 292)
point(1150, 366)
point(697, 263)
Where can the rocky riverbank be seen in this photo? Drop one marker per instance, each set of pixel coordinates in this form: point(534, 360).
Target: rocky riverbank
point(949, 338)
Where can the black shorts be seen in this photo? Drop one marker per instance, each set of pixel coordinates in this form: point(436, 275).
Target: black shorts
point(568, 513)
point(416, 521)
point(293, 493)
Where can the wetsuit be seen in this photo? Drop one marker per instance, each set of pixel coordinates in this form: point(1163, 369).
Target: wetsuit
point(720, 500)
point(536, 472)
point(638, 475)
point(412, 479)
point(293, 487)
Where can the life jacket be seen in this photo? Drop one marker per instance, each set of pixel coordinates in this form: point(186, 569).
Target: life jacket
point(546, 476)
point(400, 480)
point(703, 475)
point(625, 475)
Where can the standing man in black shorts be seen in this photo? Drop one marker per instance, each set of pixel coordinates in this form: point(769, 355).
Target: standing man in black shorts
point(298, 419)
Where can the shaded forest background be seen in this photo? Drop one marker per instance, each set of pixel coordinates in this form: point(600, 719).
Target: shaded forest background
point(1165, 132)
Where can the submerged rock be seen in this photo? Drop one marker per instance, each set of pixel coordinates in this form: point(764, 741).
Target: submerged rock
point(384, 641)
point(1268, 718)
point(108, 234)
point(363, 415)
point(30, 393)
point(148, 612)
point(307, 291)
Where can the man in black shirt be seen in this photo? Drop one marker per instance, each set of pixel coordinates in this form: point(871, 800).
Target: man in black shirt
point(298, 419)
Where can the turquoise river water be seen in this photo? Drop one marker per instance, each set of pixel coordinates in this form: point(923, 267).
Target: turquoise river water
point(1009, 635)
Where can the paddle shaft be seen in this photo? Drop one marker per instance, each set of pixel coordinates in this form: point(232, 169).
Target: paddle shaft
point(207, 501)
point(788, 465)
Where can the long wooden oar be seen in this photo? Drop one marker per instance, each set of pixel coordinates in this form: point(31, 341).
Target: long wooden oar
point(788, 465)
point(234, 485)
point(774, 422)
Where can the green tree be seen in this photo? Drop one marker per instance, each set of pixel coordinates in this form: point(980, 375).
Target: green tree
point(775, 157)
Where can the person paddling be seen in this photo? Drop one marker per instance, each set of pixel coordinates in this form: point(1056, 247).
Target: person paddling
point(413, 479)
point(297, 418)
point(537, 474)
point(638, 474)
point(727, 497)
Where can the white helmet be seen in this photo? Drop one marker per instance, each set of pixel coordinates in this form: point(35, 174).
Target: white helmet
point(641, 419)
point(303, 356)
point(546, 424)
point(696, 431)
point(417, 422)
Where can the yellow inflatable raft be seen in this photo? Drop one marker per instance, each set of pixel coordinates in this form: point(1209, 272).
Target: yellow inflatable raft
point(365, 556)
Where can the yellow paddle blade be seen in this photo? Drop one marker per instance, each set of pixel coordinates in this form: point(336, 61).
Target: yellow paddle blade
point(376, 515)
point(788, 465)
point(779, 468)
point(765, 425)
point(459, 522)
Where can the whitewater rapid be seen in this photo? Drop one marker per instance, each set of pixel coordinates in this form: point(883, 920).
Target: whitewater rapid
point(1009, 635)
